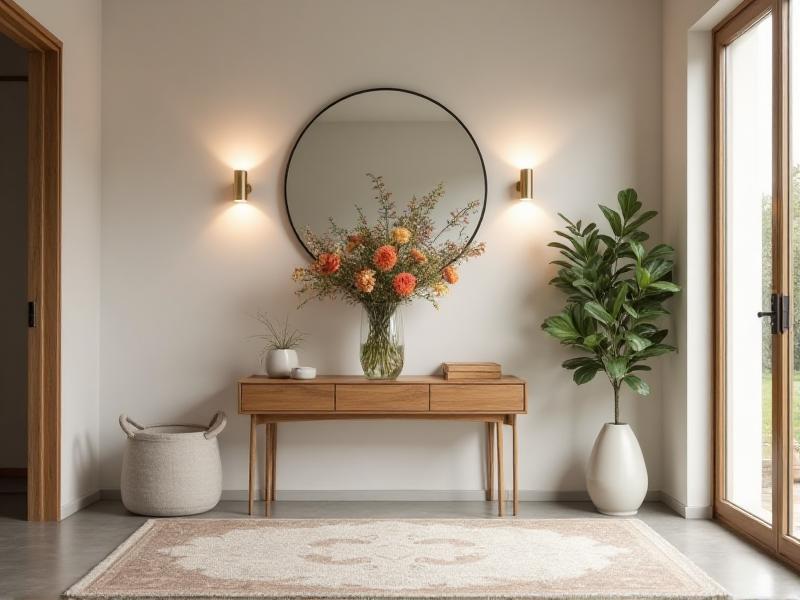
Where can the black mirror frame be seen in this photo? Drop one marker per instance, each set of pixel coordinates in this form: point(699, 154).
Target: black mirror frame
point(381, 89)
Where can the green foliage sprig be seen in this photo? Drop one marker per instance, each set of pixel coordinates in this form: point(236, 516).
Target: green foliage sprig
point(616, 290)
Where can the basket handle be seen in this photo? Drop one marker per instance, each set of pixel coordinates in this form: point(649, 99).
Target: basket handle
point(127, 425)
point(216, 426)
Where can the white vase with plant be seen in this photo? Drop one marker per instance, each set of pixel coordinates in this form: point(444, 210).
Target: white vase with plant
point(616, 290)
point(280, 352)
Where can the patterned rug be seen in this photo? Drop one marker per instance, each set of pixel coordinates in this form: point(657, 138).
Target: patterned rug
point(567, 559)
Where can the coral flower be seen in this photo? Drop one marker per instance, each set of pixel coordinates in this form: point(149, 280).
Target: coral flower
point(404, 284)
point(450, 275)
point(385, 258)
point(401, 235)
point(365, 280)
point(440, 288)
point(328, 263)
point(418, 256)
point(353, 242)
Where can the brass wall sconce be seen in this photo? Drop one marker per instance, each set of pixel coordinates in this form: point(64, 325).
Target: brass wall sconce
point(241, 188)
point(525, 184)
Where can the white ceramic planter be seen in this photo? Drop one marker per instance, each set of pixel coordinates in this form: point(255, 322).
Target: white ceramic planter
point(279, 363)
point(616, 476)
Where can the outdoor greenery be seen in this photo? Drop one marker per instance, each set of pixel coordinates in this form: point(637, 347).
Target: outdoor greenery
point(616, 289)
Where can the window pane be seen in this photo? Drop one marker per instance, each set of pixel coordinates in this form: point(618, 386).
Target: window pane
point(748, 269)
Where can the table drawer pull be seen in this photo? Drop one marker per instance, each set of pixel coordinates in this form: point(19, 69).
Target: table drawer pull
point(287, 397)
point(477, 398)
point(388, 398)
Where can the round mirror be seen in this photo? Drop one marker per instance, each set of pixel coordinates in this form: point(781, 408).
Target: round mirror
point(411, 141)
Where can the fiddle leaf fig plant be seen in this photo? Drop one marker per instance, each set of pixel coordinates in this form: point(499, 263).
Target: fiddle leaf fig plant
point(615, 293)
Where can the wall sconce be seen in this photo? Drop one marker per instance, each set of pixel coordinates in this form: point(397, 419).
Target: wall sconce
point(240, 186)
point(525, 184)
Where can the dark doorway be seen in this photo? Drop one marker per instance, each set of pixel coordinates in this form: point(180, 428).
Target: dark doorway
point(13, 274)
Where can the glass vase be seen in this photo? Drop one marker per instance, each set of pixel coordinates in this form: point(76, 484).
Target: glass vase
point(382, 350)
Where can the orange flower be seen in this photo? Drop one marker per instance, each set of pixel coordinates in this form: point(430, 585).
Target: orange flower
point(353, 242)
point(450, 275)
point(328, 263)
point(418, 256)
point(365, 280)
point(385, 258)
point(401, 235)
point(404, 284)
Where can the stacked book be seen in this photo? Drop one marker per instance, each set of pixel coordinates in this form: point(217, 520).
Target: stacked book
point(471, 370)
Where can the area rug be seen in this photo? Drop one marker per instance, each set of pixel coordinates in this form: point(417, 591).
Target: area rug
point(359, 559)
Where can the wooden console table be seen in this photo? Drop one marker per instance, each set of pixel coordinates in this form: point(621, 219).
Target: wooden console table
point(496, 402)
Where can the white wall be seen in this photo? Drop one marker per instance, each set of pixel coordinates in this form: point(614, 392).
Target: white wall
point(77, 24)
point(13, 257)
point(192, 89)
point(687, 225)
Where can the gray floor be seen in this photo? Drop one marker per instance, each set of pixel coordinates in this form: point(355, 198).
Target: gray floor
point(40, 560)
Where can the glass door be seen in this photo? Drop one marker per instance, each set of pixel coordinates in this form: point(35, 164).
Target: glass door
point(749, 291)
point(757, 276)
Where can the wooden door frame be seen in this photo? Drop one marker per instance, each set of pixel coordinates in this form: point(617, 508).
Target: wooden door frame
point(773, 538)
point(44, 257)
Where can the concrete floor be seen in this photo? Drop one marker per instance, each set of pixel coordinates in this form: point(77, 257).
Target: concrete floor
point(40, 560)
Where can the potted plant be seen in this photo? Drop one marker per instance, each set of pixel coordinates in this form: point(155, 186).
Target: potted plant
point(616, 290)
point(280, 352)
point(384, 265)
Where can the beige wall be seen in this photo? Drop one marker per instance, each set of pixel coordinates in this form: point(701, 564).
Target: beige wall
point(77, 24)
point(192, 89)
point(13, 264)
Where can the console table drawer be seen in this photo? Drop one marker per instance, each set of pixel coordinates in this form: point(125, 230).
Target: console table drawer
point(286, 397)
point(378, 398)
point(477, 398)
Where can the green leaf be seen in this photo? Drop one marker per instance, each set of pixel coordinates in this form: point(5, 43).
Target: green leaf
point(637, 342)
point(598, 312)
point(561, 327)
point(628, 203)
point(615, 367)
point(665, 286)
point(630, 310)
point(637, 385)
point(584, 374)
point(654, 350)
point(613, 219)
point(639, 221)
point(580, 361)
point(642, 277)
point(638, 251)
point(622, 293)
point(592, 341)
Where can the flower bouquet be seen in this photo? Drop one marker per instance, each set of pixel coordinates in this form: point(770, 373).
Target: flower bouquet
point(386, 264)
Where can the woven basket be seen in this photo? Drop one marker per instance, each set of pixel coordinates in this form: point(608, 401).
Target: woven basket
point(171, 470)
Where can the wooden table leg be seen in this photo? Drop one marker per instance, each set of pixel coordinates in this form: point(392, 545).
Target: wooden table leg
point(501, 496)
point(489, 461)
point(274, 459)
point(252, 465)
point(268, 469)
point(516, 472)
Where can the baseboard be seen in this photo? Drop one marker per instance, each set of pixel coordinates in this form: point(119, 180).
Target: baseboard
point(687, 512)
point(70, 508)
point(401, 495)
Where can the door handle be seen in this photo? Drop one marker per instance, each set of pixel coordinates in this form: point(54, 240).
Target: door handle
point(779, 313)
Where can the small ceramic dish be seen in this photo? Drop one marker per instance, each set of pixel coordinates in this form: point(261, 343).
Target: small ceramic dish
point(304, 373)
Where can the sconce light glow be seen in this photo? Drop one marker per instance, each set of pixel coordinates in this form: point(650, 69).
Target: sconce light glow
point(241, 188)
point(525, 184)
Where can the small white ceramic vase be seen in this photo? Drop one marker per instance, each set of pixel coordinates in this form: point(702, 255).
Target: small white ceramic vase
point(616, 476)
point(279, 363)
